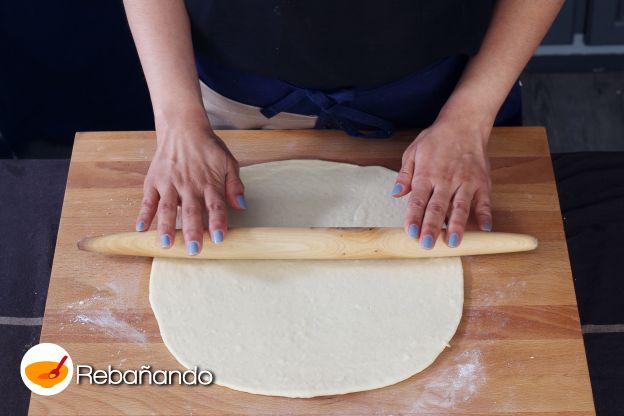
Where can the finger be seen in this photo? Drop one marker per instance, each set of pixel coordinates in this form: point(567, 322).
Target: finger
point(459, 212)
point(434, 216)
point(416, 205)
point(483, 209)
point(402, 184)
point(217, 214)
point(149, 204)
point(167, 210)
point(192, 224)
point(234, 188)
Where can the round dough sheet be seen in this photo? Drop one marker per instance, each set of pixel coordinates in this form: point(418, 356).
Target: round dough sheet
point(309, 328)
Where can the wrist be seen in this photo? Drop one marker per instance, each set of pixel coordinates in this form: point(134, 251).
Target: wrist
point(469, 113)
point(182, 128)
point(190, 116)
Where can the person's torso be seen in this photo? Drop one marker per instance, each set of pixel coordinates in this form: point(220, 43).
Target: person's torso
point(329, 44)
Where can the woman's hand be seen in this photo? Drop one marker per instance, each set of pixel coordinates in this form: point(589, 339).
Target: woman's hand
point(446, 171)
point(446, 167)
point(193, 168)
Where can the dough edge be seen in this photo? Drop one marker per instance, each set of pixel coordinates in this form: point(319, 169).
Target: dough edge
point(306, 394)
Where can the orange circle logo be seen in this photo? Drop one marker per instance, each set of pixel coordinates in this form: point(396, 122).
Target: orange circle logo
point(47, 369)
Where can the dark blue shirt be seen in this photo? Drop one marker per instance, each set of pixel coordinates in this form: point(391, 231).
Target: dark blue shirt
point(329, 44)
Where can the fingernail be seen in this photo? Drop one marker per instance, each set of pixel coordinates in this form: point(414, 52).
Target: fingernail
point(487, 227)
point(140, 226)
point(398, 188)
point(240, 200)
point(192, 248)
point(165, 241)
point(427, 242)
point(217, 236)
point(412, 230)
point(453, 239)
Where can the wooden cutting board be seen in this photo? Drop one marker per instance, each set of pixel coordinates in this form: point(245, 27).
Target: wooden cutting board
point(518, 349)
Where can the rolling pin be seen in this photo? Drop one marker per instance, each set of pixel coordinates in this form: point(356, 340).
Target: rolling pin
point(310, 243)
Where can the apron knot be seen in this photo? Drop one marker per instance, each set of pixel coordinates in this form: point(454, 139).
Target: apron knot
point(333, 112)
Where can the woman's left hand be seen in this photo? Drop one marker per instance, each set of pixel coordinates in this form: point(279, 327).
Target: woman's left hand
point(446, 172)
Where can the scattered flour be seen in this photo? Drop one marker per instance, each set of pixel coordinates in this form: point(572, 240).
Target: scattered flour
point(511, 290)
point(95, 311)
point(87, 301)
point(450, 386)
point(112, 326)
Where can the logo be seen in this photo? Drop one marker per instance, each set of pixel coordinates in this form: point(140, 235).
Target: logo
point(47, 369)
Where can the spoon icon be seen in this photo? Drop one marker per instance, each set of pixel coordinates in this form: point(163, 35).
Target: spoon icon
point(54, 373)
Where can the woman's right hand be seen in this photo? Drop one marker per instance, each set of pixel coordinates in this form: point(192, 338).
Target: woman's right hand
point(193, 168)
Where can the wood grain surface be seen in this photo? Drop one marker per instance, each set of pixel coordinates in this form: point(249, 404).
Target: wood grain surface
point(518, 350)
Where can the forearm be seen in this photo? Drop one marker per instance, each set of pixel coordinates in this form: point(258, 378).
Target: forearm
point(516, 29)
point(161, 32)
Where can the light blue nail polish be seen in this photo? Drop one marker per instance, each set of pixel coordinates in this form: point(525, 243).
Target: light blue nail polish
point(217, 236)
point(140, 226)
point(165, 241)
point(453, 240)
point(240, 200)
point(487, 227)
point(427, 242)
point(398, 188)
point(192, 248)
point(412, 230)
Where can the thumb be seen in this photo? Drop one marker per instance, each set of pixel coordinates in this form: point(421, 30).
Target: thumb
point(403, 182)
point(483, 209)
point(234, 188)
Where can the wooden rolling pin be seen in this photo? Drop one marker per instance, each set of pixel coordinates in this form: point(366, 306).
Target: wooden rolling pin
point(310, 243)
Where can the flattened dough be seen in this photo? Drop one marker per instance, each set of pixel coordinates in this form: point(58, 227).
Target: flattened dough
point(309, 328)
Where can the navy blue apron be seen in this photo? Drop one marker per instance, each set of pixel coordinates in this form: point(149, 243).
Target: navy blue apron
point(411, 102)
